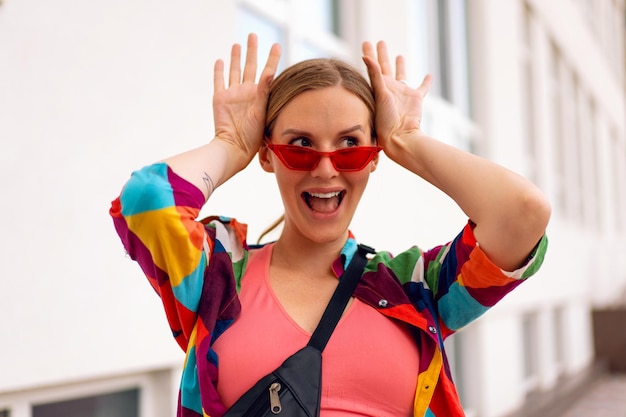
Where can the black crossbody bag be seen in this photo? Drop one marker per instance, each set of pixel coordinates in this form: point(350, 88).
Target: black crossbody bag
point(294, 388)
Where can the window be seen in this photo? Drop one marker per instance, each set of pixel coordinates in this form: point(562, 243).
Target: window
point(268, 31)
point(118, 404)
point(527, 93)
point(559, 354)
point(556, 99)
point(149, 394)
point(567, 98)
point(419, 36)
point(577, 119)
point(605, 22)
point(442, 51)
point(305, 29)
point(450, 53)
point(456, 349)
point(322, 14)
point(619, 181)
point(592, 175)
point(614, 22)
point(588, 10)
point(530, 333)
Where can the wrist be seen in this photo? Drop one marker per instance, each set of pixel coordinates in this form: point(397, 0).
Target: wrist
point(226, 160)
point(403, 145)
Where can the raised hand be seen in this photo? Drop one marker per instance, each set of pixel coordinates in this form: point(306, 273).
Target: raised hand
point(398, 106)
point(239, 117)
point(239, 108)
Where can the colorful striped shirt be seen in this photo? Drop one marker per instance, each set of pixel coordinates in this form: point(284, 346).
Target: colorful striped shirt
point(196, 268)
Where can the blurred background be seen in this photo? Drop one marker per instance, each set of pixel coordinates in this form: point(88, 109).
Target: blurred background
point(90, 91)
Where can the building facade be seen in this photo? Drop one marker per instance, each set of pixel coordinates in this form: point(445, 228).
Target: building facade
point(91, 91)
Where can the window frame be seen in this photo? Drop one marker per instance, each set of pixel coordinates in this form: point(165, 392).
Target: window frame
point(158, 391)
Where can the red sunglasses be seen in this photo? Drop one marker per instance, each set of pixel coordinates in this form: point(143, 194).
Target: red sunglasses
point(300, 158)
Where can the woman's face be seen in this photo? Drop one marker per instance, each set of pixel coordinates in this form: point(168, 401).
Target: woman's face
point(320, 203)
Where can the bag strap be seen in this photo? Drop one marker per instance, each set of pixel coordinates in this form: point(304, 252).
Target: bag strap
point(339, 300)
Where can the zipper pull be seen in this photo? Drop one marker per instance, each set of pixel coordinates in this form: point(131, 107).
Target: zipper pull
point(275, 406)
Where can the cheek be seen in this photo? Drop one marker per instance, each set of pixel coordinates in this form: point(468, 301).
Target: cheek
point(358, 180)
point(286, 179)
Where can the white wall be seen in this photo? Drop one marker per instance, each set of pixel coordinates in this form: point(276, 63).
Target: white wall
point(88, 92)
point(583, 266)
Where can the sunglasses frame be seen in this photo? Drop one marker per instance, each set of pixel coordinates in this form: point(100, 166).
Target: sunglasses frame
point(278, 149)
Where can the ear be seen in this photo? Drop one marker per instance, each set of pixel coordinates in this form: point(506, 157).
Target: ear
point(374, 163)
point(265, 158)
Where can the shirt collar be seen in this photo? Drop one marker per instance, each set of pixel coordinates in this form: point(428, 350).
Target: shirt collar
point(346, 255)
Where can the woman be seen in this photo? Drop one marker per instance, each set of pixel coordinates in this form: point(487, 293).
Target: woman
point(318, 128)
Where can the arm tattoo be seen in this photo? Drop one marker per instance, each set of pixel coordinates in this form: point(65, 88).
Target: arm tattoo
point(208, 183)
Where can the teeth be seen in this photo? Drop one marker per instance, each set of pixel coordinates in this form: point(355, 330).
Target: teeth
point(325, 195)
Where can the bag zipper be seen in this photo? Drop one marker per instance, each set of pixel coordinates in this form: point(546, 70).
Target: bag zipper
point(275, 406)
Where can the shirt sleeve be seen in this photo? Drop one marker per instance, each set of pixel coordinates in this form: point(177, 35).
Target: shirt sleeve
point(465, 283)
point(155, 217)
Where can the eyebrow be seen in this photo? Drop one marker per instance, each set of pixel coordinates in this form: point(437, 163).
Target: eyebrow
point(305, 133)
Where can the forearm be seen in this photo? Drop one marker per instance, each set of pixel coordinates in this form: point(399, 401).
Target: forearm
point(467, 282)
point(154, 217)
point(510, 212)
point(208, 166)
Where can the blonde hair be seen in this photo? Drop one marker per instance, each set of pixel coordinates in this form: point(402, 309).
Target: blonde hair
point(270, 228)
point(315, 74)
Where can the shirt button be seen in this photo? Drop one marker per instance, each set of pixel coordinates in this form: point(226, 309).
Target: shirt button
point(432, 329)
point(383, 303)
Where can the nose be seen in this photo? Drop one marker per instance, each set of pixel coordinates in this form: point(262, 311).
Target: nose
point(325, 169)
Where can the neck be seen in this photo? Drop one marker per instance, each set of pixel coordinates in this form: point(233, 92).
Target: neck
point(306, 255)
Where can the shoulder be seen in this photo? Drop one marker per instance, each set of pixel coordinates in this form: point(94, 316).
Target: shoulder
point(405, 266)
point(226, 234)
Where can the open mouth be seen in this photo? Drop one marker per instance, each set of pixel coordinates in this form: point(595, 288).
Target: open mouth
point(323, 202)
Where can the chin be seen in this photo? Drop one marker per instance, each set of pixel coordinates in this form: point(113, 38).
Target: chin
point(322, 236)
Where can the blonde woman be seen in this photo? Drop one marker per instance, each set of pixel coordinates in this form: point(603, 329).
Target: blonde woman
point(238, 312)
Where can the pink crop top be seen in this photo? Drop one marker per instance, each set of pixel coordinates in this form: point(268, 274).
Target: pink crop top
point(370, 363)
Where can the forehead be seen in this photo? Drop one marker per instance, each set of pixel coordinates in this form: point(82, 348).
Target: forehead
point(330, 107)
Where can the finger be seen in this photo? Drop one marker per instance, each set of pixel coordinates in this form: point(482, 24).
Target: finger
point(368, 49)
point(249, 71)
point(383, 58)
point(424, 87)
point(400, 68)
point(234, 76)
point(271, 66)
point(218, 76)
point(374, 72)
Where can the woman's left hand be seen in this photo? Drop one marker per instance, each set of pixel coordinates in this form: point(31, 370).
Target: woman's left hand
point(510, 212)
point(398, 106)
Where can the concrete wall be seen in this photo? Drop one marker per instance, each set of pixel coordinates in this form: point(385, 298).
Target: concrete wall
point(89, 92)
point(583, 266)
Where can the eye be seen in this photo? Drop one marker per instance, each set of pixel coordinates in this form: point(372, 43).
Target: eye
point(301, 141)
point(349, 142)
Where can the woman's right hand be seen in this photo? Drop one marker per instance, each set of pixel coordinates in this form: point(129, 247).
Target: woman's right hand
point(239, 107)
point(239, 118)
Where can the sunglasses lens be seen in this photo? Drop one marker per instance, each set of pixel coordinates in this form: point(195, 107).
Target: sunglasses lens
point(306, 159)
point(353, 159)
point(298, 157)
